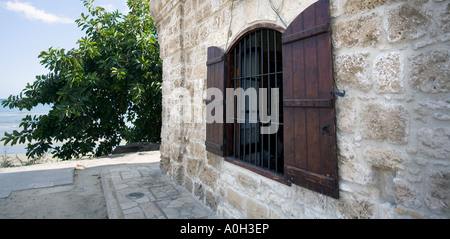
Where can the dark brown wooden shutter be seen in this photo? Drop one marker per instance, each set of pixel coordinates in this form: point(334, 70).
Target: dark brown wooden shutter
point(215, 78)
point(309, 113)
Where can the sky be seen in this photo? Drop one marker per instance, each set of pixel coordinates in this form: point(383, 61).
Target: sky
point(28, 27)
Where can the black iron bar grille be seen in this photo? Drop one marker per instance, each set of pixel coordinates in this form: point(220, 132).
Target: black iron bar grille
point(256, 62)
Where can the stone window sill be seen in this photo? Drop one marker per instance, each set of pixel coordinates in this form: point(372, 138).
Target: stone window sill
point(268, 174)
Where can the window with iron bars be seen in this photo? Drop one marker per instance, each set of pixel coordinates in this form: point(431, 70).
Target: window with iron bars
point(256, 63)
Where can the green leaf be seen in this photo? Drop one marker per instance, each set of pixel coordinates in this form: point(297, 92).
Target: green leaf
point(6, 139)
point(14, 141)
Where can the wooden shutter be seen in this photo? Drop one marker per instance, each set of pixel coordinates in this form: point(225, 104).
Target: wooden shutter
point(215, 78)
point(309, 112)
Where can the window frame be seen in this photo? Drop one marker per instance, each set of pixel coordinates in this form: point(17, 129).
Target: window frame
point(309, 112)
point(229, 133)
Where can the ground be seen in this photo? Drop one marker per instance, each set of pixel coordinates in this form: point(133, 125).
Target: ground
point(84, 200)
point(81, 199)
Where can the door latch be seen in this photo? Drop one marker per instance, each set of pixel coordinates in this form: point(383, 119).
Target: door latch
point(325, 128)
point(337, 93)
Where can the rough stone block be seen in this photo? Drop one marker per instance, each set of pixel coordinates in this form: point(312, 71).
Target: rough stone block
point(444, 18)
point(351, 71)
point(165, 164)
point(178, 173)
point(386, 186)
point(355, 172)
point(199, 71)
point(218, 37)
point(198, 134)
point(215, 162)
point(173, 45)
point(204, 12)
point(275, 214)
point(221, 19)
point(350, 207)
point(363, 32)
point(430, 71)
point(188, 184)
point(246, 181)
point(355, 6)
point(408, 212)
point(434, 142)
point(190, 7)
point(256, 210)
point(387, 73)
point(406, 195)
point(384, 158)
point(439, 107)
point(208, 176)
point(212, 200)
point(289, 8)
point(251, 10)
point(235, 199)
point(346, 150)
point(192, 167)
point(387, 211)
point(190, 38)
point(384, 123)
point(199, 191)
point(437, 196)
point(407, 22)
point(349, 167)
point(346, 113)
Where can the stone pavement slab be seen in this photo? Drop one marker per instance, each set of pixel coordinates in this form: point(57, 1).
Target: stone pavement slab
point(140, 192)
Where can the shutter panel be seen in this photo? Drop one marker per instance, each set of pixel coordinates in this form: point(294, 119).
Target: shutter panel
point(215, 79)
point(309, 112)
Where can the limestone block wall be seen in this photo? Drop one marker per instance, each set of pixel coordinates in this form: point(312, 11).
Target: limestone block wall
point(392, 57)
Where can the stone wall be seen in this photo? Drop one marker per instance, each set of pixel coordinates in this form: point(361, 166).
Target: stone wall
point(392, 57)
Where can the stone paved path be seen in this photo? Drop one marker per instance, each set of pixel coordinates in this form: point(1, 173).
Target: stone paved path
point(139, 192)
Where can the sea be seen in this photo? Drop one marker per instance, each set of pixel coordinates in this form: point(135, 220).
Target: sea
point(10, 120)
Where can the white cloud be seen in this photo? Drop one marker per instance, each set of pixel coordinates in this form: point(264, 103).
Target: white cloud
point(32, 13)
point(111, 7)
point(108, 7)
point(125, 11)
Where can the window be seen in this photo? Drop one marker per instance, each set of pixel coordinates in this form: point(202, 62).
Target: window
point(298, 61)
point(255, 63)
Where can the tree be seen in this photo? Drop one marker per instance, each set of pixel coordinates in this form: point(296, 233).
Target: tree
point(113, 77)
